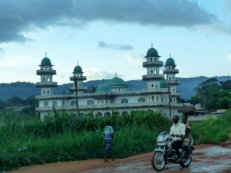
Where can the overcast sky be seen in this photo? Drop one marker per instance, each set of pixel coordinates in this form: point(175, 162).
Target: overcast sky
point(112, 36)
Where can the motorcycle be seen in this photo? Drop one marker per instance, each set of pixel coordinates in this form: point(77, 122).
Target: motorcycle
point(165, 153)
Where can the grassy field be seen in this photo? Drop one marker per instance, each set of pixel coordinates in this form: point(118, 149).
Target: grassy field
point(62, 137)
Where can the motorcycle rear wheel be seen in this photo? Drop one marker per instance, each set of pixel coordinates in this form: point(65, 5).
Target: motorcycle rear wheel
point(186, 163)
point(156, 158)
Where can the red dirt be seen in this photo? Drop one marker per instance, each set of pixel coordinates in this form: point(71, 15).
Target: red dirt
point(207, 158)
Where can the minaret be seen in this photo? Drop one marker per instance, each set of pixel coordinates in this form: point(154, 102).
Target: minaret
point(171, 71)
point(153, 65)
point(46, 72)
point(78, 78)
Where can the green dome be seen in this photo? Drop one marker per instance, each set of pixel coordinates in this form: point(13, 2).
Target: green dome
point(117, 82)
point(103, 87)
point(170, 62)
point(152, 52)
point(163, 84)
point(46, 62)
point(78, 69)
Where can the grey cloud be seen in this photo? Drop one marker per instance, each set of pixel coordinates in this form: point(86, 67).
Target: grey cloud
point(103, 44)
point(18, 17)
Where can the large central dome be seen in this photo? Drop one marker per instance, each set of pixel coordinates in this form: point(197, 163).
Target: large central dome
point(116, 81)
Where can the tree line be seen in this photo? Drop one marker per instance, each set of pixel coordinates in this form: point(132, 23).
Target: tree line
point(213, 94)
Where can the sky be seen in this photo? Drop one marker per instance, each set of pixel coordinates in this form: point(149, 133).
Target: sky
point(108, 37)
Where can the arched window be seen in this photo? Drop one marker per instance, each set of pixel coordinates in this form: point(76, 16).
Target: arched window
point(152, 85)
point(73, 103)
point(54, 103)
point(141, 99)
point(107, 114)
point(151, 71)
point(90, 102)
point(124, 100)
point(45, 104)
point(152, 98)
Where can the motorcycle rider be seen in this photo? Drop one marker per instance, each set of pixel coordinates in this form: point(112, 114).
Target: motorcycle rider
point(177, 133)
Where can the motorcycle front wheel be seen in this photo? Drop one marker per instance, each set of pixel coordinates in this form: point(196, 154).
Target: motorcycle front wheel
point(158, 161)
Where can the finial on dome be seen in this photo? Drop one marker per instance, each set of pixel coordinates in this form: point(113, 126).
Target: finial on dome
point(45, 54)
point(77, 63)
point(151, 44)
point(170, 55)
point(115, 74)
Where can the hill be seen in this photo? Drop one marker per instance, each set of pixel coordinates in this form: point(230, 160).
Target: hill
point(27, 89)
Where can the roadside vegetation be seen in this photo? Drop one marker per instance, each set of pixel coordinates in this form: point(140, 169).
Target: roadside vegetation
point(212, 131)
point(63, 137)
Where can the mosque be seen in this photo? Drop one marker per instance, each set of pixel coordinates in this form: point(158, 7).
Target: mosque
point(113, 95)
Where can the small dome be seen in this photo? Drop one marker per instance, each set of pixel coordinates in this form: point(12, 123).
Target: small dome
point(103, 88)
point(152, 52)
point(163, 84)
point(46, 62)
point(78, 69)
point(170, 62)
point(116, 81)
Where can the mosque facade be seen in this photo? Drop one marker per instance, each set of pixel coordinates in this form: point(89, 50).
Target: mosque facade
point(113, 95)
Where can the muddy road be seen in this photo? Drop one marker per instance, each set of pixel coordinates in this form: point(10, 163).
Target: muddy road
point(207, 158)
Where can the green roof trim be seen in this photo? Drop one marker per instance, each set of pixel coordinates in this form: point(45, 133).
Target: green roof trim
point(163, 84)
point(170, 62)
point(152, 52)
point(46, 62)
point(117, 82)
point(78, 69)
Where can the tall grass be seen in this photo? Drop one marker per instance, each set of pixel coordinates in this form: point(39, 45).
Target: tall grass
point(63, 137)
point(212, 131)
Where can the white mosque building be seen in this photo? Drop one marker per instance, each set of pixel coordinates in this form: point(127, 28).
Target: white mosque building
point(113, 95)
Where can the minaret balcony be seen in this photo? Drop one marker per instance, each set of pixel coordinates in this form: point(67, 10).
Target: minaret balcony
point(153, 77)
point(46, 84)
point(78, 78)
point(171, 71)
point(46, 72)
point(172, 82)
point(153, 64)
point(176, 94)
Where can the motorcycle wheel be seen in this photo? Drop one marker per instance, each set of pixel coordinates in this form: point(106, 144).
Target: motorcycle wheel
point(158, 161)
point(185, 163)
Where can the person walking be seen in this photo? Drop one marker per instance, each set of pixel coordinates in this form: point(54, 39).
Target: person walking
point(108, 137)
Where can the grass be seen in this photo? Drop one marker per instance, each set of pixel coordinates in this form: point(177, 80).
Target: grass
point(63, 137)
point(212, 131)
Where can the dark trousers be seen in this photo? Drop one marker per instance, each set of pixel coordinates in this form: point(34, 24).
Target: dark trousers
point(176, 145)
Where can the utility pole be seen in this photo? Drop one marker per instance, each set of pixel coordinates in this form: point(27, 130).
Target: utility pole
point(78, 79)
point(169, 102)
point(76, 97)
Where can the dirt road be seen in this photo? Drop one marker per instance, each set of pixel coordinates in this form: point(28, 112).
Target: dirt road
point(207, 158)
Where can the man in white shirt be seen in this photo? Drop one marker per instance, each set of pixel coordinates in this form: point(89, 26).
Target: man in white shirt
point(177, 133)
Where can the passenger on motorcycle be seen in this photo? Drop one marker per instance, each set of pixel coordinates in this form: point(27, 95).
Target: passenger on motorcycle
point(187, 137)
point(177, 133)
